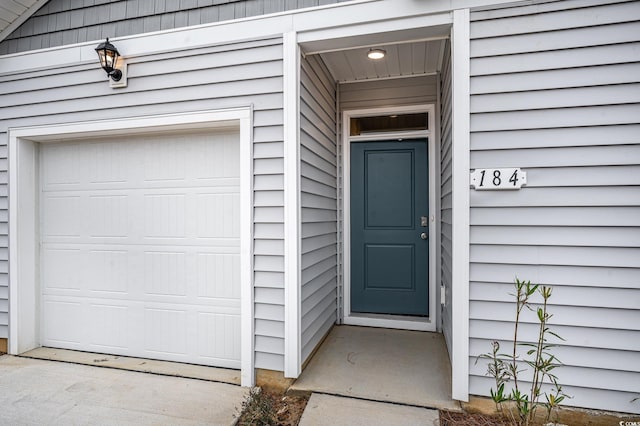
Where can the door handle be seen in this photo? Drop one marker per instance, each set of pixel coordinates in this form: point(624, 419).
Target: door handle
point(423, 235)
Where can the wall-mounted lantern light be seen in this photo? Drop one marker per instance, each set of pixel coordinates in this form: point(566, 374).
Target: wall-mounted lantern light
point(376, 54)
point(109, 55)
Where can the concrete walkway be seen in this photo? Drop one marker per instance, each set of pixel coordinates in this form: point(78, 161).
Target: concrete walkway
point(398, 366)
point(38, 392)
point(329, 410)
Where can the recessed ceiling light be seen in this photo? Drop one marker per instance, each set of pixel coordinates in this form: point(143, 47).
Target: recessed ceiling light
point(376, 54)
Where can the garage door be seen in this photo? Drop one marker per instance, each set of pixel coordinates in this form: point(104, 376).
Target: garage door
point(140, 250)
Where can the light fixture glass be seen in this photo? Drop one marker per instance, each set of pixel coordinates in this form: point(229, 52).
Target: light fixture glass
point(108, 55)
point(376, 54)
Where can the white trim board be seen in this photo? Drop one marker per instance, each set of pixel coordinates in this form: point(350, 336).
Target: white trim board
point(389, 321)
point(292, 255)
point(24, 333)
point(460, 161)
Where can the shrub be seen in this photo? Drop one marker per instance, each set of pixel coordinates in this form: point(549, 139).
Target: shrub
point(504, 367)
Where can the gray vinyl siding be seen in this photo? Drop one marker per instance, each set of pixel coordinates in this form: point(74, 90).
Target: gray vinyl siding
point(387, 93)
point(445, 191)
point(61, 22)
point(318, 196)
point(232, 75)
point(555, 89)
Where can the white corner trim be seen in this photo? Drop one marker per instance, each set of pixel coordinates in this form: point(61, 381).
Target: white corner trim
point(292, 256)
point(247, 293)
point(13, 247)
point(23, 286)
point(339, 215)
point(460, 51)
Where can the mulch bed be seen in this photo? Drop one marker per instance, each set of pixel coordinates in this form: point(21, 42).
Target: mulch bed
point(289, 409)
point(449, 418)
point(285, 408)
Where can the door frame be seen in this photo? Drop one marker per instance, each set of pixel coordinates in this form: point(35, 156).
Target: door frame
point(377, 320)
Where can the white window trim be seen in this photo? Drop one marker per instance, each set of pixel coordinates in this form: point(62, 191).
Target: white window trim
point(292, 218)
point(23, 282)
point(460, 166)
point(389, 321)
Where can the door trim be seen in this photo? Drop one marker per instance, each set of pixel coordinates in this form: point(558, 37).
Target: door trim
point(376, 320)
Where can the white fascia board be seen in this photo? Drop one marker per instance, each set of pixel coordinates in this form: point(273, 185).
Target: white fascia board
point(378, 11)
point(374, 16)
point(460, 161)
point(292, 255)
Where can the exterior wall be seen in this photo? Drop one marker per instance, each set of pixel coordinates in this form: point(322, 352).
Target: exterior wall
point(445, 192)
point(555, 89)
point(388, 93)
point(232, 75)
point(61, 22)
point(318, 171)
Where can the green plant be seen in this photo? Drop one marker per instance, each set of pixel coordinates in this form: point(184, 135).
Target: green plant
point(504, 368)
point(524, 291)
point(257, 410)
point(499, 371)
point(544, 362)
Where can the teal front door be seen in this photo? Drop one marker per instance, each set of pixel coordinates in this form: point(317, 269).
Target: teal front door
point(389, 211)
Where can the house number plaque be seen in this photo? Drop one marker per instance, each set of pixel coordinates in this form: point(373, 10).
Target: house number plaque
point(498, 179)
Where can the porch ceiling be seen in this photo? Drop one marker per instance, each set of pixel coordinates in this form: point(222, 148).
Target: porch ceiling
point(402, 59)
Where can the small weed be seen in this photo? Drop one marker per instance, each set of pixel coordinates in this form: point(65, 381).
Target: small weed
point(257, 410)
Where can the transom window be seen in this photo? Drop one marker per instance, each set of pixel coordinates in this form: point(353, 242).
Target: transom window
point(360, 126)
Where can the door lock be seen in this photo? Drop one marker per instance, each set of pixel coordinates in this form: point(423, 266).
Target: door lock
point(423, 235)
point(424, 221)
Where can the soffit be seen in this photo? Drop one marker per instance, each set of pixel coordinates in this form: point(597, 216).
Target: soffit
point(402, 59)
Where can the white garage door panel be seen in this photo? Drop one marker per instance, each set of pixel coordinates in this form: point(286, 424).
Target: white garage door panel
point(204, 216)
point(140, 247)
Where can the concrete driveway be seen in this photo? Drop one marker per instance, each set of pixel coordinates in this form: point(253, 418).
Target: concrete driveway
point(38, 392)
